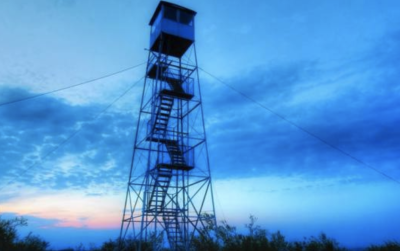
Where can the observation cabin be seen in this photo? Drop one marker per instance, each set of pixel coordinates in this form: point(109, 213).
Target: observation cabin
point(172, 29)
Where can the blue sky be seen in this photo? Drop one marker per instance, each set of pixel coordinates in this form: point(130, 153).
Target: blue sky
point(329, 66)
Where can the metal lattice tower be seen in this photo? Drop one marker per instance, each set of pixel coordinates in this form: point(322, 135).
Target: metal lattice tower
point(169, 197)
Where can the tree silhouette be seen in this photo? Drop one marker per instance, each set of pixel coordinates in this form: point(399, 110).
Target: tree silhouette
point(9, 240)
point(223, 237)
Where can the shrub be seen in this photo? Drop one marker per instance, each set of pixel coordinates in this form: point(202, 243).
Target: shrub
point(9, 237)
point(321, 243)
point(388, 246)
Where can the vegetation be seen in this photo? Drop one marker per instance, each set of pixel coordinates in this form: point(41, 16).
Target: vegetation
point(10, 241)
point(223, 237)
point(388, 246)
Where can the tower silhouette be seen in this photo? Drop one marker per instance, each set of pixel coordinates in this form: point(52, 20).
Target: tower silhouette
point(169, 196)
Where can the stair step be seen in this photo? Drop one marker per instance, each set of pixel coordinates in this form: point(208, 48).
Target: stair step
point(167, 98)
point(161, 118)
point(164, 97)
point(166, 106)
point(167, 103)
point(165, 109)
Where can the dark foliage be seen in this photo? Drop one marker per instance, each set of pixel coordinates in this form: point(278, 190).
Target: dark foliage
point(388, 246)
point(9, 240)
point(212, 238)
point(322, 243)
point(225, 238)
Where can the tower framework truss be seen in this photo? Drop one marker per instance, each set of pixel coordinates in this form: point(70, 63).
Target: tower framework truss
point(169, 196)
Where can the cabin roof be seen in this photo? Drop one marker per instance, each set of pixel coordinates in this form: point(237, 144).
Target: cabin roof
point(161, 3)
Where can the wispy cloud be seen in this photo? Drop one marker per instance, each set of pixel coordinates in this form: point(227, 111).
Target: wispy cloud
point(352, 105)
point(32, 129)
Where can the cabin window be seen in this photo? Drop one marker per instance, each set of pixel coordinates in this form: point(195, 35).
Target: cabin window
point(171, 13)
point(185, 18)
point(178, 16)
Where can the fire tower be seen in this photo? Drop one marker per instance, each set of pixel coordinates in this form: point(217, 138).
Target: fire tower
point(169, 196)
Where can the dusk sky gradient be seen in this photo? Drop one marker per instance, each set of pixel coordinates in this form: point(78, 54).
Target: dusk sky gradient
point(331, 67)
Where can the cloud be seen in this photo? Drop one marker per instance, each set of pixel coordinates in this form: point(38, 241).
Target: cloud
point(67, 208)
point(32, 129)
point(353, 105)
point(51, 230)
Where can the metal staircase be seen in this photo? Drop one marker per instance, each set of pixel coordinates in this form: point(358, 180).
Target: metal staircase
point(175, 153)
point(174, 75)
point(159, 133)
point(160, 123)
point(174, 232)
point(160, 183)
